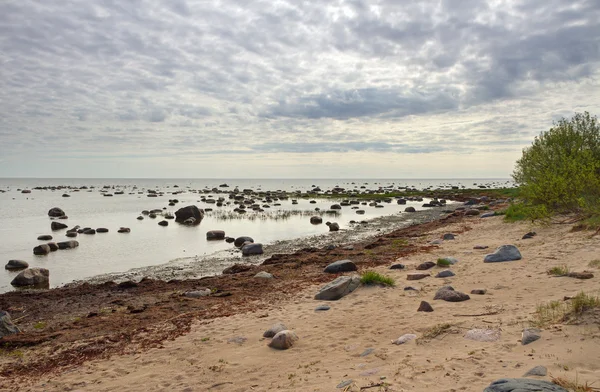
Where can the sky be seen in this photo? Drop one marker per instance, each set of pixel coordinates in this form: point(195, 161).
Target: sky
point(288, 88)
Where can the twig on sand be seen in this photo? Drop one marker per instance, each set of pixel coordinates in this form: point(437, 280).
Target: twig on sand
point(219, 384)
point(381, 384)
point(478, 314)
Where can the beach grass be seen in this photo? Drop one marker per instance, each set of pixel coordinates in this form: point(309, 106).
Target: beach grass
point(436, 331)
point(561, 270)
point(564, 311)
point(573, 385)
point(372, 278)
point(594, 263)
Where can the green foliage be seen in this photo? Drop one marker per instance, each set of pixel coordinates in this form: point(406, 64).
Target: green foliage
point(561, 169)
point(443, 263)
point(372, 277)
point(521, 211)
point(560, 270)
point(39, 325)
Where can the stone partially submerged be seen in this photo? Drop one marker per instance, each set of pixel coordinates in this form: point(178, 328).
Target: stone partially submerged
point(503, 253)
point(338, 288)
point(184, 213)
point(36, 277)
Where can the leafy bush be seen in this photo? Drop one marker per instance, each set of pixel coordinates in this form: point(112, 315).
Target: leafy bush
point(561, 169)
point(372, 277)
point(521, 211)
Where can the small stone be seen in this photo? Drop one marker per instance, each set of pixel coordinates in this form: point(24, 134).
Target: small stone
point(367, 352)
point(530, 335)
point(479, 291)
point(404, 338)
point(214, 235)
point(425, 266)
point(274, 330)
point(425, 307)
point(283, 340)
point(163, 223)
point(437, 242)
point(263, 275)
point(529, 235)
point(398, 266)
point(124, 230)
point(252, 249)
point(480, 247)
point(16, 265)
point(447, 293)
point(322, 308)
point(445, 274)
point(488, 215)
point(45, 237)
point(102, 230)
point(7, 327)
point(416, 276)
point(411, 288)
point(340, 266)
point(344, 384)
point(537, 371)
point(448, 236)
point(338, 288)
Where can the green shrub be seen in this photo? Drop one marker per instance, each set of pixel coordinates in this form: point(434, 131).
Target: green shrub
point(372, 277)
point(443, 263)
point(521, 211)
point(561, 169)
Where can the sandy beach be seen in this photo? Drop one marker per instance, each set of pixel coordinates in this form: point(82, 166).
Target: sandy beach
point(353, 340)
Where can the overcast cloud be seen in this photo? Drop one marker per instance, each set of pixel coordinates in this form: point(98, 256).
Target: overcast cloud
point(388, 88)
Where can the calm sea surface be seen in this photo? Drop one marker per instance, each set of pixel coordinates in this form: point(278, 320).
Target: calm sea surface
point(24, 218)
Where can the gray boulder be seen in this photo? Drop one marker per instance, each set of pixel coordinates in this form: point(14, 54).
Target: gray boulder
point(283, 340)
point(32, 277)
point(215, 235)
point(239, 241)
point(6, 325)
point(57, 226)
point(410, 209)
point(274, 330)
point(540, 371)
point(503, 253)
point(16, 265)
point(41, 250)
point(523, 385)
point(45, 237)
point(315, 220)
point(334, 226)
point(182, 214)
point(338, 288)
point(445, 274)
point(340, 266)
point(530, 335)
point(68, 244)
point(447, 293)
point(56, 212)
point(252, 249)
point(448, 236)
point(53, 246)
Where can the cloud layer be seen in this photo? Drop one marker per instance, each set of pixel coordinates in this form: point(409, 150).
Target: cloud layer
point(249, 85)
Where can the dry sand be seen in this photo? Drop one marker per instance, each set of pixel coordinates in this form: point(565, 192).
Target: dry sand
point(331, 343)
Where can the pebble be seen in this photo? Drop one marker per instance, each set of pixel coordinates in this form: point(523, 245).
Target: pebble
point(537, 371)
point(344, 384)
point(445, 274)
point(425, 307)
point(480, 247)
point(479, 291)
point(398, 266)
point(530, 335)
point(322, 308)
point(416, 276)
point(404, 338)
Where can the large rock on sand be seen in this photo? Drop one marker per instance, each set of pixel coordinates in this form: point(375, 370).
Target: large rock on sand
point(56, 212)
point(6, 325)
point(283, 340)
point(523, 385)
point(340, 266)
point(447, 293)
point(338, 288)
point(503, 253)
point(252, 249)
point(32, 277)
point(184, 213)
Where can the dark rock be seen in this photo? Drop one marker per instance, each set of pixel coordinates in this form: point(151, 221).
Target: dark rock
point(445, 274)
point(479, 291)
point(16, 265)
point(252, 249)
point(140, 218)
point(45, 237)
point(488, 215)
point(315, 220)
point(425, 266)
point(163, 223)
point(447, 293)
point(410, 209)
point(239, 241)
point(340, 266)
point(335, 207)
point(398, 266)
point(236, 269)
point(215, 235)
point(57, 226)
point(124, 230)
point(189, 212)
point(89, 231)
point(322, 308)
point(68, 244)
point(101, 230)
point(503, 253)
point(53, 246)
point(472, 212)
point(338, 288)
point(334, 227)
point(56, 212)
point(530, 335)
point(128, 284)
point(7, 327)
point(416, 276)
point(523, 385)
point(529, 235)
point(580, 275)
point(229, 240)
point(425, 307)
point(71, 234)
point(38, 277)
point(480, 247)
point(41, 250)
point(448, 236)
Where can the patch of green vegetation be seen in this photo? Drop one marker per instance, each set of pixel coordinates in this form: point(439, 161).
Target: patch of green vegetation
point(559, 311)
point(39, 325)
point(561, 270)
point(443, 263)
point(204, 339)
point(372, 277)
point(11, 353)
point(521, 211)
point(594, 263)
point(399, 243)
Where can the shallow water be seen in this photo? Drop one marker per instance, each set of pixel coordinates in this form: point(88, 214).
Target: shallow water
point(148, 244)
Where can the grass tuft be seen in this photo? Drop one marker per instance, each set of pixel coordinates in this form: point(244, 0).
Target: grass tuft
point(436, 331)
point(572, 385)
point(561, 270)
point(594, 263)
point(558, 311)
point(372, 277)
